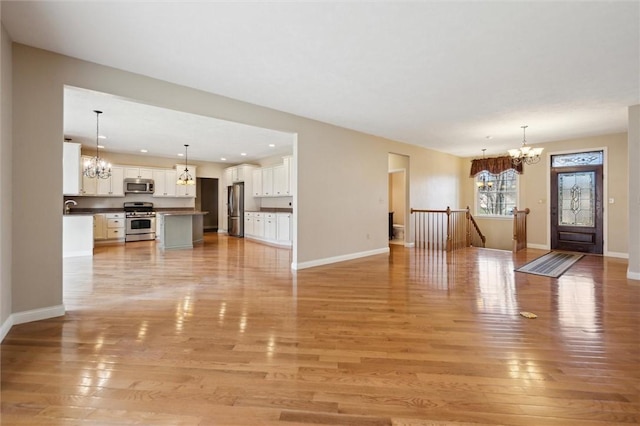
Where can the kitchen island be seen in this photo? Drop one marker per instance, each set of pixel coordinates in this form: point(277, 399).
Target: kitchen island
point(180, 229)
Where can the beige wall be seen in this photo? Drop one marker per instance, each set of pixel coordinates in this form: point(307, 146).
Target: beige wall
point(342, 175)
point(534, 187)
point(5, 179)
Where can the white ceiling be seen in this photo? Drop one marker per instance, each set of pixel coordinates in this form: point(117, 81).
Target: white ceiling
point(129, 127)
point(443, 75)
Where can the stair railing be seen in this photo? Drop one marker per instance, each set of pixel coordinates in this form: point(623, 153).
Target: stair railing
point(446, 230)
point(519, 229)
point(476, 237)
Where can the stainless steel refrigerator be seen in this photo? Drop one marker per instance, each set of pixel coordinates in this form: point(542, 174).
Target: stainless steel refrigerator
point(235, 209)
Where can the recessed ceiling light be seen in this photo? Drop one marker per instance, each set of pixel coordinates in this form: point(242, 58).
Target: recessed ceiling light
point(223, 159)
point(143, 150)
point(180, 154)
point(272, 145)
point(102, 137)
point(243, 154)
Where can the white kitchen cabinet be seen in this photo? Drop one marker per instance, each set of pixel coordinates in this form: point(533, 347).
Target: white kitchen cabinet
point(138, 173)
point(99, 227)
point(288, 166)
point(249, 224)
point(284, 227)
point(71, 169)
point(257, 182)
point(113, 186)
point(280, 183)
point(267, 181)
point(115, 223)
point(227, 177)
point(258, 225)
point(274, 181)
point(270, 226)
point(165, 183)
point(108, 227)
point(89, 185)
point(239, 173)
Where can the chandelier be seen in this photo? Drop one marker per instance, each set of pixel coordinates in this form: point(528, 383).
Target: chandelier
point(484, 185)
point(185, 177)
point(96, 167)
point(525, 154)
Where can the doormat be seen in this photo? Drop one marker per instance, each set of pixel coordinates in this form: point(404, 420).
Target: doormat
point(552, 264)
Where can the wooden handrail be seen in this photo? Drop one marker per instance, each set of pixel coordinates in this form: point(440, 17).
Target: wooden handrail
point(478, 231)
point(448, 229)
point(519, 229)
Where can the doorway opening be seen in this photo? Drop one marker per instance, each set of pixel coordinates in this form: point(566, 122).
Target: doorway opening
point(398, 199)
point(207, 201)
point(577, 202)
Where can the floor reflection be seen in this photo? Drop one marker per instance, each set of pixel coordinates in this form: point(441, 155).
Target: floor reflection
point(496, 290)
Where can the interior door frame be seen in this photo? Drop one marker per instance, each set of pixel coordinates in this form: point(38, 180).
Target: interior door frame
point(605, 194)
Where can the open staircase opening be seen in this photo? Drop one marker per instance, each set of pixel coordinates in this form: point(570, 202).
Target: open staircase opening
point(453, 229)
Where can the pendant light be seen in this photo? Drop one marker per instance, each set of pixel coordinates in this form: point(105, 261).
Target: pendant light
point(525, 154)
point(96, 167)
point(185, 177)
point(484, 185)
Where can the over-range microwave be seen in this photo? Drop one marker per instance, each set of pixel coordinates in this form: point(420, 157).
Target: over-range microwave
point(138, 186)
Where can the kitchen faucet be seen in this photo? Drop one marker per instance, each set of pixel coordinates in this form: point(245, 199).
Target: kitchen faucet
point(67, 206)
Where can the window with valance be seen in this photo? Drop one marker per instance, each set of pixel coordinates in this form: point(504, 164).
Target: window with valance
point(496, 185)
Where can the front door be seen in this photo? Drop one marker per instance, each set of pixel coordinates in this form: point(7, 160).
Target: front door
point(576, 202)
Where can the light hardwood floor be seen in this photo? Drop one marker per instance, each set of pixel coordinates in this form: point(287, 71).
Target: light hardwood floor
point(227, 334)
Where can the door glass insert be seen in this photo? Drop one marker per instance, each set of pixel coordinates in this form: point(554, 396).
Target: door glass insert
point(578, 159)
point(576, 199)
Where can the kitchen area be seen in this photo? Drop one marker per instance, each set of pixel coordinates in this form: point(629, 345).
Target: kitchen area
point(137, 208)
point(123, 184)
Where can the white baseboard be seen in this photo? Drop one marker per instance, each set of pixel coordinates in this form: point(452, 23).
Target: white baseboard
point(272, 243)
point(633, 275)
point(336, 259)
point(30, 316)
point(538, 246)
point(617, 254)
point(6, 326)
point(410, 245)
point(38, 314)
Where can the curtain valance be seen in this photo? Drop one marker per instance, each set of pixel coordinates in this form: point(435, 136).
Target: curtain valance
point(494, 165)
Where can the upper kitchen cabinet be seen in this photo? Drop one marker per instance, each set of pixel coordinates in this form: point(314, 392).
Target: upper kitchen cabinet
point(280, 181)
point(110, 187)
point(89, 185)
point(71, 169)
point(240, 173)
point(267, 181)
point(257, 182)
point(288, 170)
point(114, 185)
point(138, 172)
point(274, 181)
point(164, 183)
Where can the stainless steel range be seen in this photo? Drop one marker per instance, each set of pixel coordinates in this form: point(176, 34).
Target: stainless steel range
point(140, 221)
